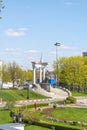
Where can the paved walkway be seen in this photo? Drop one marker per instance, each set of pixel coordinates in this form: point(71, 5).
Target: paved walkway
point(81, 102)
point(54, 92)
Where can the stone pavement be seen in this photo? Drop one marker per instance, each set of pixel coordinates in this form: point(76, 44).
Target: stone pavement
point(81, 101)
point(54, 92)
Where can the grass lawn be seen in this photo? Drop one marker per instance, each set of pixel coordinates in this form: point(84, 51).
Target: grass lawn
point(38, 114)
point(9, 94)
point(5, 117)
point(73, 114)
point(79, 94)
point(66, 113)
point(32, 127)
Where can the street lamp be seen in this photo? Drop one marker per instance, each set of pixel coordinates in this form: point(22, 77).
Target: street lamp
point(57, 44)
point(28, 91)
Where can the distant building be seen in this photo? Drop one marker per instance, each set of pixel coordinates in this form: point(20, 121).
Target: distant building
point(85, 53)
point(41, 66)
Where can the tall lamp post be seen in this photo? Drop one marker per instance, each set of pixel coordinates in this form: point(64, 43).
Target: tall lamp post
point(28, 91)
point(57, 44)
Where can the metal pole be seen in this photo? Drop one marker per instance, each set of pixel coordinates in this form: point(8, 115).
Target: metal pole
point(57, 66)
point(57, 75)
point(28, 92)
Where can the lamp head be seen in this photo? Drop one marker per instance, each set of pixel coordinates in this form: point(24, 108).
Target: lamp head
point(57, 44)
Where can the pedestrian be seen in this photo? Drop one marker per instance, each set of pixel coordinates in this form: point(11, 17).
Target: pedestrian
point(35, 105)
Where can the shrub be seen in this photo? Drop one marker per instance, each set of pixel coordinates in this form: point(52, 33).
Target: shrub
point(29, 118)
point(54, 105)
point(75, 123)
point(10, 105)
point(70, 100)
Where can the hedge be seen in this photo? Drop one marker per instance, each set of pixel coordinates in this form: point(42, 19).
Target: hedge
point(58, 126)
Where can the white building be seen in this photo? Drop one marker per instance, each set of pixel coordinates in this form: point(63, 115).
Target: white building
point(41, 66)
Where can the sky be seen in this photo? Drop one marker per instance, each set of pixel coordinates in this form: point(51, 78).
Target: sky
point(30, 28)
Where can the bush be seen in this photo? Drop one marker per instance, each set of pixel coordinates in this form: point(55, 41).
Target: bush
point(54, 105)
point(38, 105)
point(29, 118)
point(58, 126)
point(10, 105)
point(75, 123)
point(70, 100)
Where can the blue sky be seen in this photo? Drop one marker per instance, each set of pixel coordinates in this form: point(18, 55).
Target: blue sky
point(30, 28)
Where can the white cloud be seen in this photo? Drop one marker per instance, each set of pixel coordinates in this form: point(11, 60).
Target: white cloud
point(12, 49)
point(1, 54)
point(31, 51)
point(16, 33)
point(23, 29)
point(84, 50)
point(31, 58)
point(17, 54)
point(14, 52)
point(68, 47)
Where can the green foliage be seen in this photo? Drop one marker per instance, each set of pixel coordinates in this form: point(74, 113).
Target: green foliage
point(12, 72)
point(59, 126)
point(75, 123)
point(54, 105)
point(70, 100)
point(38, 105)
point(29, 118)
point(1, 6)
point(6, 74)
point(72, 72)
point(78, 93)
point(28, 75)
point(35, 127)
point(10, 104)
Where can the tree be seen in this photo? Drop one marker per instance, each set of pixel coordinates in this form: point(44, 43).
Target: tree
point(13, 68)
point(72, 72)
point(12, 72)
point(6, 77)
point(1, 7)
point(29, 75)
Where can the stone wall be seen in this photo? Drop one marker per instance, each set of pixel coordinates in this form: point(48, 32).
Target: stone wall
point(45, 86)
